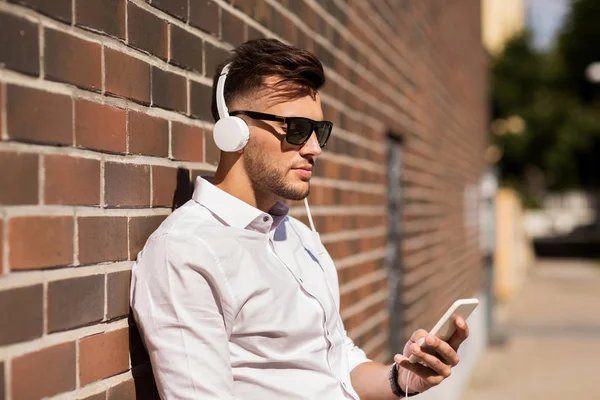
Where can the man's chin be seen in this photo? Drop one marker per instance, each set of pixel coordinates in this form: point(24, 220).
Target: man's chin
point(298, 191)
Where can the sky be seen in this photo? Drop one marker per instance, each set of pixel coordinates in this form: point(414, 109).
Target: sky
point(545, 18)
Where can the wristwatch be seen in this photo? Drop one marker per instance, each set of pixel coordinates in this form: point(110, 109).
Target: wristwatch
point(396, 389)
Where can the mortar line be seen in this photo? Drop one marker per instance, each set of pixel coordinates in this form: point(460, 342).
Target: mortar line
point(62, 337)
point(21, 279)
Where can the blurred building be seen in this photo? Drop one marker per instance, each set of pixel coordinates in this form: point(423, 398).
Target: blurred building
point(501, 20)
point(105, 124)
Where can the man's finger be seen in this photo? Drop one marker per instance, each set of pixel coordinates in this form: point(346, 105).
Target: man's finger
point(461, 333)
point(435, 346)
point(418, 334)
point(431, 361)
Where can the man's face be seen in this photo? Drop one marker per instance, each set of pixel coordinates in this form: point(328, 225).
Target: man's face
point(273, 165)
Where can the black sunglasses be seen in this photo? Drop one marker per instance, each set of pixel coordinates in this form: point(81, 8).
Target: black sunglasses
point(299, 129)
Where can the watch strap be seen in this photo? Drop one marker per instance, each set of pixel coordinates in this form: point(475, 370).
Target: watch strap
point(396, 389)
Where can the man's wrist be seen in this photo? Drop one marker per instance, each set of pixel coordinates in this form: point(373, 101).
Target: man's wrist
point(395, 383)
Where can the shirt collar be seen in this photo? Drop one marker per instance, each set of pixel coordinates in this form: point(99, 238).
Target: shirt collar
point(233, 211)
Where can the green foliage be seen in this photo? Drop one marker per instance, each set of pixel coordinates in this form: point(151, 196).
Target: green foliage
point(559, 106)
point(578, 46)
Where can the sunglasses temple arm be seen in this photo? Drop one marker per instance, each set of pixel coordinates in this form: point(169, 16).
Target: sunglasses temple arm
point(310, 220)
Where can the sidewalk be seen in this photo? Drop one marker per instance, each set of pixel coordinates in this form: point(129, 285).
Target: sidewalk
point(553, 351)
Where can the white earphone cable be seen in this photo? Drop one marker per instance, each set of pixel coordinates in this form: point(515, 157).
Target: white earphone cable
point(310, 220)
point(406, 384)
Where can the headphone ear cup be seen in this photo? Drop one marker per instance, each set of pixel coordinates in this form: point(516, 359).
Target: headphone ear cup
point(231, 134)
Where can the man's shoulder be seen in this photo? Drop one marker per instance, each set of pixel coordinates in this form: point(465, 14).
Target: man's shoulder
point(184, 227)
point(191, 218)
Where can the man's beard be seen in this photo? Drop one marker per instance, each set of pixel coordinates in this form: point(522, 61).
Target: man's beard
point(267, 178)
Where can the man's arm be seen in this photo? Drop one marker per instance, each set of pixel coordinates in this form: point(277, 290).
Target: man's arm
point(176, 299)
point(371, 379)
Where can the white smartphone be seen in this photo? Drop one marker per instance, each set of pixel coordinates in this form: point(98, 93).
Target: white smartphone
point(445, 327)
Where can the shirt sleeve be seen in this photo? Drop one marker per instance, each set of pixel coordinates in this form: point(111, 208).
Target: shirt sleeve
point(356, 355)
point(177, 298)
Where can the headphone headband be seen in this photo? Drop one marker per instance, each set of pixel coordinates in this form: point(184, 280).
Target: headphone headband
point(230, 133)
point(220, 95)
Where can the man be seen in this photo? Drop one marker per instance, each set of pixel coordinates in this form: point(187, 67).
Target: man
point(234, 298)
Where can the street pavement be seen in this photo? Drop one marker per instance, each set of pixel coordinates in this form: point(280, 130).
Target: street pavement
point(553, 347)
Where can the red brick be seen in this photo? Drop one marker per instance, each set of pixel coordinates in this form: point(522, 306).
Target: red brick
point(51, 237)
point(102, 239)
point(164, 183)
point(187, 142)
point(2, 102)
point(254, 33)
point(204, 14)
point(52, 367)
point(140, 228)
point(177, 8)
point(263, 13)
point(126, 76)
point(186, 49)
point(2, 246)
point(2, 385)
point(72, 60)
point(126, 185)
point(147, 31)
point(20, 186)
point(103, 355)
point(19, 45)
point(36, 116)
point(123, 391)
point(233, 28)
point(117, 292)
point(200, 101)
point(212, 152)
point(100, 127)
point(25, 321)
point(102, 15)
point(59, 9)
point(213, 57)
point(247, 6)
point(71, 180)
point(148, 135)
point(287, 30)
point(169, 90)
point(75, 302)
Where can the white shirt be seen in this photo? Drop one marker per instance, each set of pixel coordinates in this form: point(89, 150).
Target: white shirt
point(235, 303)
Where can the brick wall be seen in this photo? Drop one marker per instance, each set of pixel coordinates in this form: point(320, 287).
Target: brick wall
point(105, 121)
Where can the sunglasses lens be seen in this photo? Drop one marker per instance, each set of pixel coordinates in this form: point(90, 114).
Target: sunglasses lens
point(323, 132)
point(298, 130)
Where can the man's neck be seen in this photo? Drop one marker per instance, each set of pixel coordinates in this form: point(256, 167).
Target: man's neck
point(238, 185)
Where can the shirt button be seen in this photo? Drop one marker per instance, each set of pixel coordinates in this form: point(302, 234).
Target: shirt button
point(265, 218)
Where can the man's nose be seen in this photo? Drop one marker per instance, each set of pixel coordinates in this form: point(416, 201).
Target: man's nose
point(312, 145)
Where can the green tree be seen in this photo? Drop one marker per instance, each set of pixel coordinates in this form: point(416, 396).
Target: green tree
point(558, 146)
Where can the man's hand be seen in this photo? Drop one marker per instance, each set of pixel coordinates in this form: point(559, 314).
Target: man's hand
point(437, 358)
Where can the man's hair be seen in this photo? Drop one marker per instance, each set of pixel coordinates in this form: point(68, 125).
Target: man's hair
point(300, 72)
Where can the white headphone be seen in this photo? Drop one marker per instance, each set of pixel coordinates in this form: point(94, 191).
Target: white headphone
point(230, 133)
